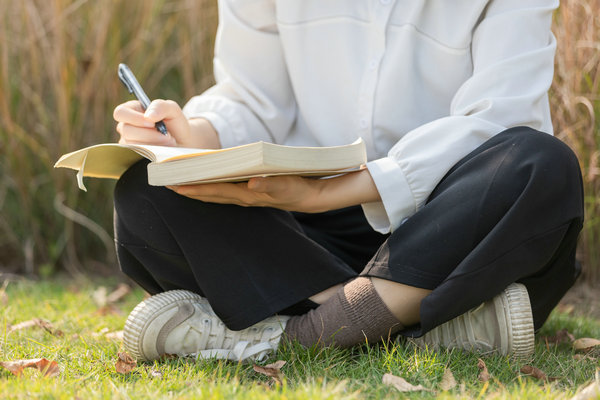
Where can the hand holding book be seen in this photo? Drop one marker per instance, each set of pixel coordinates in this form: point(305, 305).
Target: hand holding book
point(246, 165)
point(289, 192)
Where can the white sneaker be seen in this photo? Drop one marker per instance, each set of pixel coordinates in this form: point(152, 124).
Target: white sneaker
point(183, 323)
point(503, 325)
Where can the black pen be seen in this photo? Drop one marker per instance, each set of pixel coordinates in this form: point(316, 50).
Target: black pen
point(132, 84)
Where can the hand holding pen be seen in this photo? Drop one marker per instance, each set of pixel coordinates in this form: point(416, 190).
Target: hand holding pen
point(132, 84)
point(135, 118)
point(140, 121)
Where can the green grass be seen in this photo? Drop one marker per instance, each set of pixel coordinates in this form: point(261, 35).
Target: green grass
point(87, 360)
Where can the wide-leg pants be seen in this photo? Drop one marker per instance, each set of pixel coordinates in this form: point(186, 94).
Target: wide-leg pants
point(509, 211)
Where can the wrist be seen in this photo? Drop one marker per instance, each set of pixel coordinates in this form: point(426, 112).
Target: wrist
point(350, 189)
point(203, 134)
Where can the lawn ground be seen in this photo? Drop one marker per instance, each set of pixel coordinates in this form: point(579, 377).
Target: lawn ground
point(82, 318)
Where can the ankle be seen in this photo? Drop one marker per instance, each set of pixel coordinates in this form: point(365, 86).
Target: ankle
point(353, 314)
point(403, 301)
point(325, 295)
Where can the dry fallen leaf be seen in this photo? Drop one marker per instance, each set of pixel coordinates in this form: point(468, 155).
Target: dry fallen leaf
point(22, 325)
point(448, 381)
point(38, 323)
point(125, 364)
point(116, 335)
point(272, 370)
point(121, 291)
point(591, 391)
point(592, 356)
point(109, 309)
point(154, 373)
point(400, 384)
point(561, 336)
point(102, 299)
point(105, 333)
point(484, 375)
point(99, 297)
point(565, 335)
point(48, 368)
point(585, 344)
point(534, 372)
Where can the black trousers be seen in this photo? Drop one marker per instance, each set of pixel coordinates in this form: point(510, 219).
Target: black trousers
point(509, 211)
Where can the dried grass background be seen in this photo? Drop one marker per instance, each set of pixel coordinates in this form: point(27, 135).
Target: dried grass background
point(58, 88)
point(575, 102)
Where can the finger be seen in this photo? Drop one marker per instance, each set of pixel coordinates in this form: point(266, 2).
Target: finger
point(274, 184)
point(213, 190)
point(260, 185)
point(208, 199)
point(131, 113)
point(161, 109)
point(133, 104)
point(135, 134)
point(225, 193)
point(169, 112)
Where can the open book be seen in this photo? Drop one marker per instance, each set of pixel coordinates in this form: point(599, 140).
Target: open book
point(177, 165)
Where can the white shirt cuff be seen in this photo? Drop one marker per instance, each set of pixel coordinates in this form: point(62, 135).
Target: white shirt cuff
point(397, 202)
point(222, 115)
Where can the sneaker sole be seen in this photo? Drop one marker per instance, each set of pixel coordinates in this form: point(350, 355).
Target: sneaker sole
point(144, 314)
point(519, 313)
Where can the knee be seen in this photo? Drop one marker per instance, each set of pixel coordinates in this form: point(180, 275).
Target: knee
point(545, 164)
point(547, 156)
point(138, 220)
point(135, 200)
point(138, 204)
point(543, 150)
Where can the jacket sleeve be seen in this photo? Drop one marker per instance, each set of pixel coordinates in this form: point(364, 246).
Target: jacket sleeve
point(252, 99)
point(512, 51)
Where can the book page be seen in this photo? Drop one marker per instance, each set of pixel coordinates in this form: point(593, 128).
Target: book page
point(164, 153)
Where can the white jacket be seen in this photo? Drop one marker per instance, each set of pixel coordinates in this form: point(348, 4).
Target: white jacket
point(423, 82)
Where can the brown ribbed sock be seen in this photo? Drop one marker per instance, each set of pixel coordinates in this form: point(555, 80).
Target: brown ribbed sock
point(354, 313)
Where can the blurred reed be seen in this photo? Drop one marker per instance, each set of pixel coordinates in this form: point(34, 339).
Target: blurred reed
point(575, 101)
point(58, 88)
